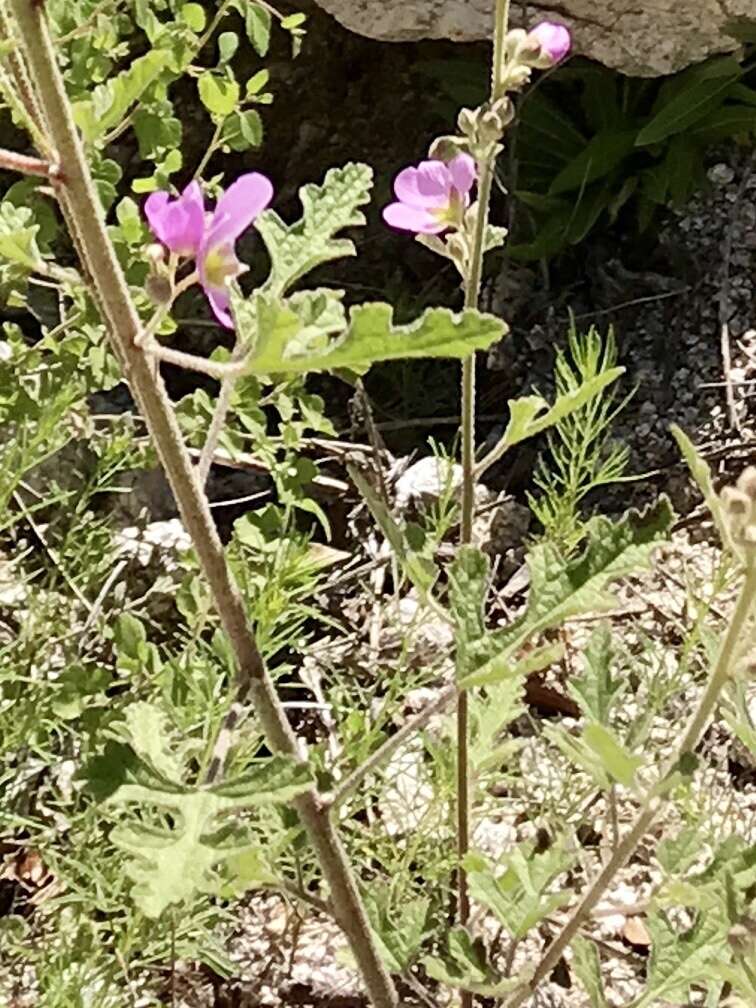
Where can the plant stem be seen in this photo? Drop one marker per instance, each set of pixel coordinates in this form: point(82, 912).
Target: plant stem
point(78, 196)
point(11, 161)
point(721, 673)
point(472, 296)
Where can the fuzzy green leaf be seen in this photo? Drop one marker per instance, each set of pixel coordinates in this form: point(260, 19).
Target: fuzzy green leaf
point(595, 691)
point(491, 713)
point(502, 667)
point(297, 248)
point(522, 895)
point(257, 21)
point(171, 859)
point(560, 589)
point(18, 236)
point(193, 14)
point(219, 95)
point(679, 960)
point(289, 338)
point(111, 101)
point(468, 586)
point(242, 130)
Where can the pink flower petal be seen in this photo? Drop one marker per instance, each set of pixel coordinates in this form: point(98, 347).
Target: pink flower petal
point(463, 171)
point(220, 300)
point(409, 218)
point(428, 185)
point(154, 210)
point(178, 223)
point(238, 207)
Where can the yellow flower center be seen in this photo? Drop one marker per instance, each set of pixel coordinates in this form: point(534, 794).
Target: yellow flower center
point(220, 263)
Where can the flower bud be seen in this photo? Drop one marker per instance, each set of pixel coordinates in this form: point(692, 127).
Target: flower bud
point(445, 148)
point(159, 288)
point(458, 247)
point(155, 254)
point(553, 40)
point(467, 122)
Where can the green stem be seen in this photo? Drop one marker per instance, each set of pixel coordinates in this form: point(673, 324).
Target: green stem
point(79, 197)
point(721, 673)
point(472, 297)
point(209, 151)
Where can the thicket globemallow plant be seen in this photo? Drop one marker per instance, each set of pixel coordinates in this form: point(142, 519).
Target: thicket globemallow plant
point(183, 226)
point(432, 197)
point(554, 40)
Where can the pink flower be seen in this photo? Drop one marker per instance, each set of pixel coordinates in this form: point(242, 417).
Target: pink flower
point(432, 197)
point(216, 259)
point(554, 40)
point(183, 226)
point(177, 223)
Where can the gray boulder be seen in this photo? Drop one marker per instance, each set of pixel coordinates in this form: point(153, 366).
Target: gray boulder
point(644, 38)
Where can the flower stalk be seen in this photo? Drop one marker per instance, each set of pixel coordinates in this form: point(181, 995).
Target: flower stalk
point(80, 202)
point(472, 284)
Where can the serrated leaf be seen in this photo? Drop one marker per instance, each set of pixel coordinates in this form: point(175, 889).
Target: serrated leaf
point(465, 968)
point(285, 343)
point(677, 854)
point(619, 764)
point(491, 713)
point(399, 931)
point(595, 691)
point(147, 732)
point(587, 967)
point(501, 668)
point(521, 896)
point(172, 859)
point(295, 249)
point(580, 755)
point(468, 586)
point(679, 960)
point(561, 588)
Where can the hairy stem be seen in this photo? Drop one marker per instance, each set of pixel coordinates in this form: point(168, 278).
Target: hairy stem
point(11, 161)
point(78, 196)
point(720, 674)
point(472, 296)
